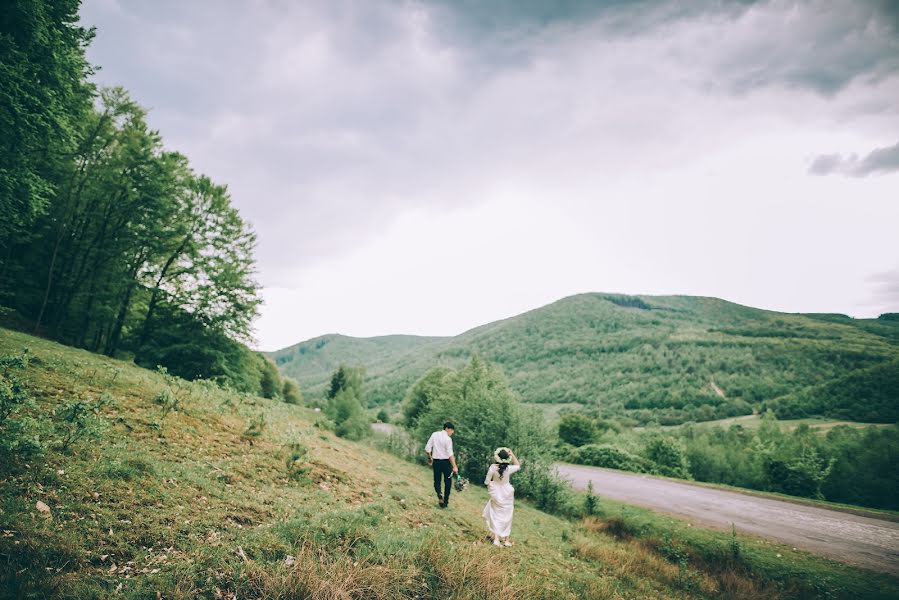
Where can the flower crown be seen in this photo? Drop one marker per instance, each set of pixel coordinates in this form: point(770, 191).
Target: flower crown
point(502, 461)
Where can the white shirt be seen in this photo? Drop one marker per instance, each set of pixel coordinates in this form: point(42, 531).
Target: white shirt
point(440, 445)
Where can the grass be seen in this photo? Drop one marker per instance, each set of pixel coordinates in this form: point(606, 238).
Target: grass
point(820, 424)
point(221, 495)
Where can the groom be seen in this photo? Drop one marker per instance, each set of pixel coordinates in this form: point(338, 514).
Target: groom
point(440, 456)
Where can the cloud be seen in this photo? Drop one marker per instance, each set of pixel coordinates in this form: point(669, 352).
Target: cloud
point(886, 290)
point(328, 120)
point(879, 161)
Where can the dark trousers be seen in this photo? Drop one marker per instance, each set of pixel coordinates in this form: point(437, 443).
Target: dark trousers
point(443, 474)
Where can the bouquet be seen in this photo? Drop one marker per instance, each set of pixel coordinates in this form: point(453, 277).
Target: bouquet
point(459, 483)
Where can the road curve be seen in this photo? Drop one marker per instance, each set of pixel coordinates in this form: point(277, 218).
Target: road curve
point(863, 541)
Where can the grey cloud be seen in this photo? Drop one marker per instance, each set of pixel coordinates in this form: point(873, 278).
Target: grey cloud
point(820, 45)
point(877, 162)
point(329, 119)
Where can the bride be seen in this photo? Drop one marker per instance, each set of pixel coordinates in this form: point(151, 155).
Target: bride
point(498, 512)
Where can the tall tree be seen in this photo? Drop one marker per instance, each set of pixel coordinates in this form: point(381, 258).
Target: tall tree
point(43, 96)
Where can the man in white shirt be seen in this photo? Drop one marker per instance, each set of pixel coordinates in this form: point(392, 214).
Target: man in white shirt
point(440, 456)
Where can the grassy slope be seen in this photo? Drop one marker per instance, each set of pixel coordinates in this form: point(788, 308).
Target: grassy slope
point(591, 349)
point(185, 505)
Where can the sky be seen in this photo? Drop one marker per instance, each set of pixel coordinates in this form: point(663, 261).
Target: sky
point(428, 166)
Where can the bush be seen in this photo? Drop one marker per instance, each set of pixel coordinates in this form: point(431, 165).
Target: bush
point(668, 456)
point(345, 401)
point(291, 392)
point(610, 457)
point(350, 420)
point(78, 420)
point(801, 475)
point(576, 429)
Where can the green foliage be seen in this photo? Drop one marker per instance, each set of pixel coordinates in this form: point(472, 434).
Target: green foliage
point(270, 385)
point(77, 421)
point(591, 501)
point(348, 379)
point(668, 456)
point(383, 416)
point(487, 414)
point(344, 406)
point(291, 392)
point(478, 401)
point(611, 457)
point(847, 464)
point(256, 428)
point(800, 475)
point(20, 435)
point(45, 93)
point(13, 395)
point(350, 420)
point(432, 388)
point(297, 460)
point(675, 360)
point(111, 242)
point(870, 394)
point(577, 429)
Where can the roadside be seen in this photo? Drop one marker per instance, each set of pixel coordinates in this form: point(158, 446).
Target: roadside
point(869, 542)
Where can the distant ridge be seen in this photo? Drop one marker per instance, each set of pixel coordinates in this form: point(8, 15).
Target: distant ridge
point(641, 358)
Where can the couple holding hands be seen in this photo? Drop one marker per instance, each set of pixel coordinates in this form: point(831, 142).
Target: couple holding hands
point(498, 511)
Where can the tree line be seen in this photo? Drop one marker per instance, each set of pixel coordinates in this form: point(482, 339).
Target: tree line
point(109, 241)
point(846, 464)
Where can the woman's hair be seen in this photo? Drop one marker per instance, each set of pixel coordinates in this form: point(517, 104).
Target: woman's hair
point(502, 466)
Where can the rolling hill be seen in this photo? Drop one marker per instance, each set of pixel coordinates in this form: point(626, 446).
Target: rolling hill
point(642, 358)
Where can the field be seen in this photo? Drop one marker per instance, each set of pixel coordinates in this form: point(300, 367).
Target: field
point(183, 490)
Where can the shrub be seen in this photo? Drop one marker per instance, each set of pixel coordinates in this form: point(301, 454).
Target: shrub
point(668, 456)
point(297, 457)
point(78, 420)
point(291, 392)
point(576, 429)
point(610, 457)
point(255, 428)
point(350, 420)
point(591, 501)
point(344, 405)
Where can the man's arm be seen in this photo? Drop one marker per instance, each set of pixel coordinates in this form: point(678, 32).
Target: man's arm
point(428, 448)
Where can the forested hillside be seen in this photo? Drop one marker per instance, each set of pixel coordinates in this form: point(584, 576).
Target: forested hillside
point(669, 359)
point(110, 241)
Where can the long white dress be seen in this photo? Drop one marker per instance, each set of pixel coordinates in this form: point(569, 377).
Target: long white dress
point(498, 512)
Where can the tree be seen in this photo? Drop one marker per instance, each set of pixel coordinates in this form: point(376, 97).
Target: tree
point(344, 405)
point(668, 455)
point(347, 378)
point(426, 390)
point(291, 392)
point(577, 429)
point(478, 401)
point(270, 380)
point(45, 92)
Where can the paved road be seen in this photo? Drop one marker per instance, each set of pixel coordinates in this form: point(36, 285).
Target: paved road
point(863, 541)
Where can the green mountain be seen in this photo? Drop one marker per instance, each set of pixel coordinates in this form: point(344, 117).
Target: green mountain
point(645, 358)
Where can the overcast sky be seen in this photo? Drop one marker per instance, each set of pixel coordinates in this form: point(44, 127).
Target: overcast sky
point(429, 166)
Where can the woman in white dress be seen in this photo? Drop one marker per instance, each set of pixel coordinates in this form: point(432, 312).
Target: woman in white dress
point(498, 512)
